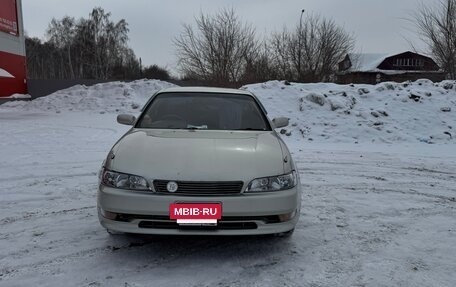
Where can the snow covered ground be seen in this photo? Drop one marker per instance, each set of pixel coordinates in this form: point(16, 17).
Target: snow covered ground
point(378, 213)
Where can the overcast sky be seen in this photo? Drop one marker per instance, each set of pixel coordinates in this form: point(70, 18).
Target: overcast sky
point(378, 25)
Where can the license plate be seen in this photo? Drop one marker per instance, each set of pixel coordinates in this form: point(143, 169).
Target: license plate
point(196, 213)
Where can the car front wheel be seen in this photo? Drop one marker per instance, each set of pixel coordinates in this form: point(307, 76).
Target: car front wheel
point(114, 233)
point(286, 234)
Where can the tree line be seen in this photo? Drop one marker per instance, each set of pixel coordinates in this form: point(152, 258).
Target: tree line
point(88, 48)
point(222, 49)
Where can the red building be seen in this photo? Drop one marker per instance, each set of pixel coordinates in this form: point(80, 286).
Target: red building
point(12, 49)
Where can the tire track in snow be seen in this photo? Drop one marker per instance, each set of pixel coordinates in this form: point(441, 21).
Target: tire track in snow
point(50, 176)
point(53, 164)
point(414, 192)
point(35, 215)
point(187, 250)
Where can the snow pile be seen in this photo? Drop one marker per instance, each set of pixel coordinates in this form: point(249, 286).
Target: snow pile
point(19, 97)
point(389, 112)
point(120, 97)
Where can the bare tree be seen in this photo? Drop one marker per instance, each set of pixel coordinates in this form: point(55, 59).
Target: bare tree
point(109, 41)
point(437, 28)
point(281, 54)
point(260, 68)
point(88, 48)
point(312, 51)
point(156, 72)
point(217, 48)
point(61, 35)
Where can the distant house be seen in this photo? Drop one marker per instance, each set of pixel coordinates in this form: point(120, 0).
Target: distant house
point(376, 68)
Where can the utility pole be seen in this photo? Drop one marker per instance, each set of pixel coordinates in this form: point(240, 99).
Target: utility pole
point(299, 45)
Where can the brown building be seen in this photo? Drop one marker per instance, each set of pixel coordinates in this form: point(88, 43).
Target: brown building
point(376, 68)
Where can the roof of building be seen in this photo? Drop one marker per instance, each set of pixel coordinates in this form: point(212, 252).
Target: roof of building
point(369, 63)
point(366, 62)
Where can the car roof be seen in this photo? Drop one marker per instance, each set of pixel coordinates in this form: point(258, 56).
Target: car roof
point(205, 90)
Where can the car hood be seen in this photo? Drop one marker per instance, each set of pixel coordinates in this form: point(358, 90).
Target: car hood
point(199, 155)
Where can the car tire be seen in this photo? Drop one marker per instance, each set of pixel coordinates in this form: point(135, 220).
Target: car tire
point(285, 234)
point(114, 233)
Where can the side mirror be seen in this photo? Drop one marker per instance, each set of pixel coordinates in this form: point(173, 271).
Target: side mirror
point(280, 122)
point(125, 119)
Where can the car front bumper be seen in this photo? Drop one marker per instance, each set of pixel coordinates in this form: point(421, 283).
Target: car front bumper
point(243, 214)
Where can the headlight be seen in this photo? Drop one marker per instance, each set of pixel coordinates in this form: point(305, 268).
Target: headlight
point(123, 180)
point(273, 183)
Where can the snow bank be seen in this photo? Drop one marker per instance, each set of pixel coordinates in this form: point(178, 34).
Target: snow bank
point(19, 97)
point(120, 97)
point(389, 112)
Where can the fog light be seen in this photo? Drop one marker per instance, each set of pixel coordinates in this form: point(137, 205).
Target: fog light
point(287, 216)
point(108, 215)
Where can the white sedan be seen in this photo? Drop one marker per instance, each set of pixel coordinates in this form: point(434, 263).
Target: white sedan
point(200, 161)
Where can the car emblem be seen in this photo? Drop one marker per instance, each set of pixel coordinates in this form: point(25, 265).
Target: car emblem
point(172, 186)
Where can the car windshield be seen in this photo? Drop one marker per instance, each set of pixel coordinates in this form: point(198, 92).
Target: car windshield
point(209, 111)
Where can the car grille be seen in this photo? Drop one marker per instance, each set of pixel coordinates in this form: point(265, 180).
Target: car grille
point(201, 188)
point(220, 225)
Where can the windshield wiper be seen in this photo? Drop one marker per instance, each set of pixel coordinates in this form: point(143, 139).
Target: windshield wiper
point(192, 127)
